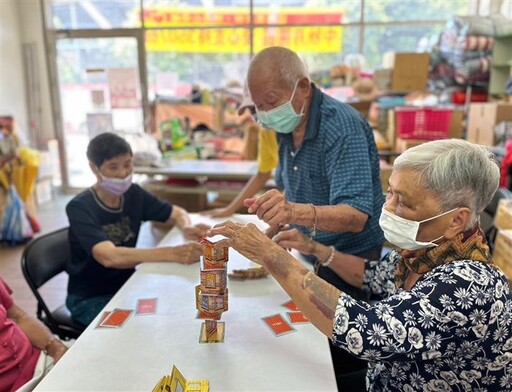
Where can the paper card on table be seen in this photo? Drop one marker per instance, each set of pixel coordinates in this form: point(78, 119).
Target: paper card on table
point(105, 314)
point(117, 318)
point(291, 305)
point(297, 318)
point(146, 306)
point(278, 325)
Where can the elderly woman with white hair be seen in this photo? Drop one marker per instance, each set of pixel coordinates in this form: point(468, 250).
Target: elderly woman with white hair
point(445, 319)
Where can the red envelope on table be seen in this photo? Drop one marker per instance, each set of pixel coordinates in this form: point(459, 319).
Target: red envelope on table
point(297, 318)
point(116, 318)
point(278, 325)
point(146, 306)
point(102, 318)
point(291, 305)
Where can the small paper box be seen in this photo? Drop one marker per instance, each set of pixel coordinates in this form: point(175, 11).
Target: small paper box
point(212, 256)
point(213, 281)
point(213, 303)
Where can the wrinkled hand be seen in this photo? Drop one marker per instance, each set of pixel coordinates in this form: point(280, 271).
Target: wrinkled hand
point(295, 239)
point(194, 232)
point(271, 207)
point(247, 239)
point(217, 212)
point(272, 231)
point(188, 253)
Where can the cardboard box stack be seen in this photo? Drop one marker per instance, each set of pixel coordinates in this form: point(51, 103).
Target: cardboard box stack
point(482, 119)
point(502, 254)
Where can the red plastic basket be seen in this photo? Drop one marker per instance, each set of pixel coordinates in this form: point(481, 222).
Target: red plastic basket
point(423, 123)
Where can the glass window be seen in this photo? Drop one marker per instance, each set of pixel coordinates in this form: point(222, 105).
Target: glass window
point(195, 13)
point(95, 14)
point(180, 58)
point(299, 13)
point(100, 92)
point(411, 10)
point(381, 39)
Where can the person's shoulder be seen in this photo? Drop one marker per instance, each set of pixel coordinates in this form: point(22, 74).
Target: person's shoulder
point(84, 197)
point(340, 116)
point(472, 271)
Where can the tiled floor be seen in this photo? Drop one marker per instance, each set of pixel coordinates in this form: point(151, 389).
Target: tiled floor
point(52, 216)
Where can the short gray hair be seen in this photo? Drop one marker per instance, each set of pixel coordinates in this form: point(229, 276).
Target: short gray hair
point(281, 63)
point(460, 173)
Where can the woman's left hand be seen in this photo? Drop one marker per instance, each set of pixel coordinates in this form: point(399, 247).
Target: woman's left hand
point(195, 232)
point(247, 239)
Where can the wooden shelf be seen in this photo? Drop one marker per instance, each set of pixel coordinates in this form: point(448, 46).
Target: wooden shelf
point(501, 64)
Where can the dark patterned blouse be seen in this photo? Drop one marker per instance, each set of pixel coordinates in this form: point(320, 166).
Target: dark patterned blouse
point(451, 332)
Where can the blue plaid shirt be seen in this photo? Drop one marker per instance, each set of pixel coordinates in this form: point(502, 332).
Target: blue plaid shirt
point(337, 163)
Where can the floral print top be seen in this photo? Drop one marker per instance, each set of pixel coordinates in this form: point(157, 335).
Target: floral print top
point(451, 332)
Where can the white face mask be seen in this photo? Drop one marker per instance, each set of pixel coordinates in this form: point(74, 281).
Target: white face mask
point(403, 232)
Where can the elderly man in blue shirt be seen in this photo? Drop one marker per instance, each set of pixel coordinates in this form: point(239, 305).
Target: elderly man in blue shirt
point(328, 169)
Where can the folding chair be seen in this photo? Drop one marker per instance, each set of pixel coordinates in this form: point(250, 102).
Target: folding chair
point(44, 258)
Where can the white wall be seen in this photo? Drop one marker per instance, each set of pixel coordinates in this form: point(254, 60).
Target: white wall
point(20, 23)
point(12, 86)
point(31, 23)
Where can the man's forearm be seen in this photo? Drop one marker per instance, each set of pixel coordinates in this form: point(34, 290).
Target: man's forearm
point(339, 218)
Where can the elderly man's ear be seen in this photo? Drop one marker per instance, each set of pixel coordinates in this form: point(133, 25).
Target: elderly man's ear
point(460, 220)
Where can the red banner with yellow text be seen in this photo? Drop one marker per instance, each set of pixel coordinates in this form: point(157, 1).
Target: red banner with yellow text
point(230, 39)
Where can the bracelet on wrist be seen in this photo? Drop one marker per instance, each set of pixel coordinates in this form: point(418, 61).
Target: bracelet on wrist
point(330, 258)
point(312, 229)
point(48, 344)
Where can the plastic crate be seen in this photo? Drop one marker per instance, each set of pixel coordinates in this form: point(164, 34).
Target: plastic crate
point(423, 123)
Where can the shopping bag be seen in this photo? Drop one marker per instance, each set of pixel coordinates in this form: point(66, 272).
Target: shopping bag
point(15, 225)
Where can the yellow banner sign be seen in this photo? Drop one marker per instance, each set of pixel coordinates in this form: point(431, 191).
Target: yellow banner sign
point(309, 39)
point(232, 39)
point(239, 16)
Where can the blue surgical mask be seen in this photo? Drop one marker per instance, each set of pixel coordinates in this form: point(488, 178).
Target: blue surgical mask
point(283, 119)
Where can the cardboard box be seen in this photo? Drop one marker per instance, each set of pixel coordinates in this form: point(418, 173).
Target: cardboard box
point(502, 254)
point(482, 119)
point(503, 218)
point(410, 72)
point(456, 124)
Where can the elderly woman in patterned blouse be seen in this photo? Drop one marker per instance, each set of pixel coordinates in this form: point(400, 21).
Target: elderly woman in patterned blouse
point(445, 319)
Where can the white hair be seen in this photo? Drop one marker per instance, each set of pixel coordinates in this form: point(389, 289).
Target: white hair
point(282, 63)
point(459, 173)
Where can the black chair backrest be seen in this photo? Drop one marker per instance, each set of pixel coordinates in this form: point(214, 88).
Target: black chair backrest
point(488, 214)
point(43, 258)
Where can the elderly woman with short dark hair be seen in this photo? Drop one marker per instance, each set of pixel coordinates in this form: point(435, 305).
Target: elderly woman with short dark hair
point(445, 319)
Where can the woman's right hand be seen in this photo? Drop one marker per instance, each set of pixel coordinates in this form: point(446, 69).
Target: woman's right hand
point(247, 239)
point(188, 253)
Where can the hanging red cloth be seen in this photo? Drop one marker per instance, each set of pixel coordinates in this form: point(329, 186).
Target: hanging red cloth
point(506, 166)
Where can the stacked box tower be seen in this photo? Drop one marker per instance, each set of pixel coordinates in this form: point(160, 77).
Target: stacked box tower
point(212, 293)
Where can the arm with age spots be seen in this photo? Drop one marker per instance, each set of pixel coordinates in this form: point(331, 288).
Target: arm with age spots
point(316, 298)
point(273, 208)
